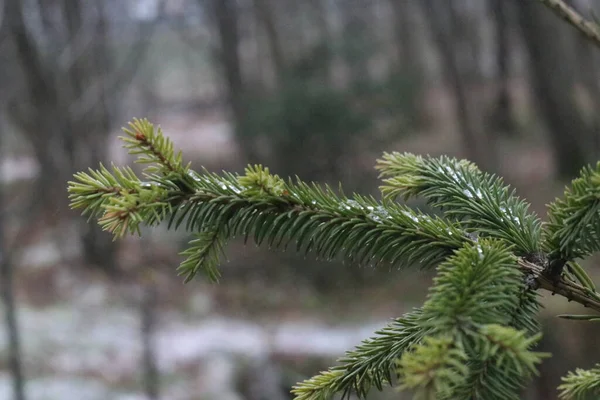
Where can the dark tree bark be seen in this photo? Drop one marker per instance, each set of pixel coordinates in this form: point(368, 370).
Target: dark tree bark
point(15, 364)
point(442, 24)
point(264, 10)
point(588, 58)
point(10, 316)
point(148, 314)
point(553, 82)
point(355, 15)
point(226, 20)
point(404, 35)
point(10, 311)
point(325, 45)
point(502, 108)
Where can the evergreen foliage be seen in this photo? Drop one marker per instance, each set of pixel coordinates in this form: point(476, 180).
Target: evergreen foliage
point(475, 336)
point(481, 202)
point(581, 384)
point(573, 229)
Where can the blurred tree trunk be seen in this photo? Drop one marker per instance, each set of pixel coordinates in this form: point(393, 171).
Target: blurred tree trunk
point(148, 327)
point(91, 130)
point(326, 39)
point(587, 57)
point(15, 365)
point(42, 101)
point(357, 51)
point(501, 116)
point(553, 83)
point(404, 35)
point(226, 20)
point(264, 10)
point(71, 94)
point(442, 23)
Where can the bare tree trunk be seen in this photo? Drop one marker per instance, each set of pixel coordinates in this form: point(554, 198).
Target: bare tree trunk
point(96, 125)
point(587, 57)
point(404, 28)
point(14, 342)
point(7, 287)
point(325, 46)
point(64, 141)
point(42, 102)
point(552, 80)
point(68, 102)
point(264, 10)
point(439, 13)
point(225, 16)
point(502, 108)
point(148, 314)
point(356, 37)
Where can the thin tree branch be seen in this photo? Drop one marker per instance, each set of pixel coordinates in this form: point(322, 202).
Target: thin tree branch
point(570, 290)
point(589, 29)
point(120, 75)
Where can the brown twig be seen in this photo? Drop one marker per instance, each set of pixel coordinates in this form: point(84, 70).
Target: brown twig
point(589, 29)
point(570, 290)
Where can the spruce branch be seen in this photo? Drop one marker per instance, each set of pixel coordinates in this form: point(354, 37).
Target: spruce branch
point(573, 228)
point(318, 220)
point(488, 250)
point(153, 148)
point(119, 199)
point(480, 284)
point(570, 290)
point(370, 364)
point(485, 300)
point(588, 29)
point(483, 204)
point(499, 351)
point(581, 384)
point(480, 201)
point(511, 348)
point(478, 386)
point(466, 304)
point(433, 368)
point(203, 254)
point(360, 229)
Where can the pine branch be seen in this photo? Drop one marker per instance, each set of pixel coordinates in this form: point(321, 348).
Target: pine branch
point(153, 148)
point(482, 282)
point(479, 283)
point(119, 199)
point(92, 190)
point(570, 290)
point(499, 351)
point(203, 254)
point(511, 348)
point(478, 386)
point(525, 316)
point(588, 29)
point(480, 201)
point(467, 302)
point(484, 205)
point(434, 368)
point(573, 229)
point(361, 229)
point(371, 364)
point(581, 384)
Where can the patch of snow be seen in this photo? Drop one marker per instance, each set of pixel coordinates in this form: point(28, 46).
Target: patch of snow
point(15, 169)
